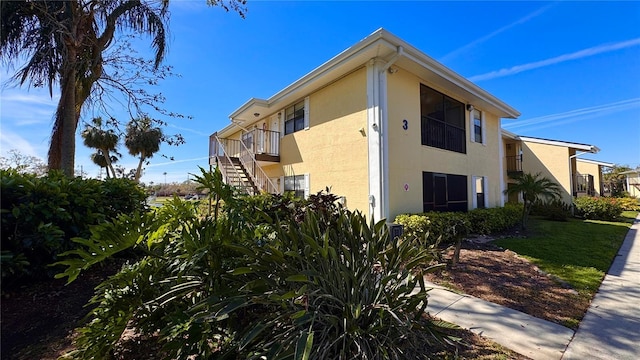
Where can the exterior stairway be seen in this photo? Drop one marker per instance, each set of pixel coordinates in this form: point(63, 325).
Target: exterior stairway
point(239, 164)
point(237, 175)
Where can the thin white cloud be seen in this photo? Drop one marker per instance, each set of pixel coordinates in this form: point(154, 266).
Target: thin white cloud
point(582, 114)
point(520, 21)
point(197, 132)
point(20, 107)
point(10, 140)
point(556, 60)
point(177, 162)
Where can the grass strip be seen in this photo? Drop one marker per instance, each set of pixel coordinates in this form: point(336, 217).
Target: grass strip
point(578, 252)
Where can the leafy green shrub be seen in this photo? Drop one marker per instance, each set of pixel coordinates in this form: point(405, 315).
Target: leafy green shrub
point(554, 210)
point(597, 208)
point(289, 287)
point(41, 214)
point(427, 228)
point(494, 220)
point(628, 203)
point(416, 227)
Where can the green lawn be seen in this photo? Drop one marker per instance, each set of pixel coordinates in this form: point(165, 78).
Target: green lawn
point(578, 252)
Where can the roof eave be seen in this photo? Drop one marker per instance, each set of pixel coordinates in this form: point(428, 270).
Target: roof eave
point(380, 43)
point(601, 163)
point(584, 147)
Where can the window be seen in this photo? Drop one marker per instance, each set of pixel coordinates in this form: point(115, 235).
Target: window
point(442, 121)
point(479, 188)
point(477, 126)
point(444, 192)
point(294, 118)
point(298, 184)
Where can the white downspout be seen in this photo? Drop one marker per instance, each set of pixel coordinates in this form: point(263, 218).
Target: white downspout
point(503, 175)
point(384, 126)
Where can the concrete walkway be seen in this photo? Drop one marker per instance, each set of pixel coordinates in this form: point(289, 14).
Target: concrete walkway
point(609, 330)
point(611, 327)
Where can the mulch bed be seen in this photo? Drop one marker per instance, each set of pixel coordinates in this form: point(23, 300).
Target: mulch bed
point(501, 276)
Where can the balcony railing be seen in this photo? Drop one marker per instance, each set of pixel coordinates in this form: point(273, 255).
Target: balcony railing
point(514, 164)
point(259, 141)
point(583, 185)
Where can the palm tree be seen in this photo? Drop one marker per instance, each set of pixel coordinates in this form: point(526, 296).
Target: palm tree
point(142, 140)
point(104, 141)
point(64, 43)
point(533, 187)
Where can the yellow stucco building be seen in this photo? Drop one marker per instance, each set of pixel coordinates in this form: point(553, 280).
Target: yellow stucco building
point(556, 160)
point(382, 124)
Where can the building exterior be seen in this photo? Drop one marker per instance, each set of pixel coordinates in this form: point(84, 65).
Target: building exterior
point(632, 182)
point(557, 160)
point(382, 124)
point(591, 172)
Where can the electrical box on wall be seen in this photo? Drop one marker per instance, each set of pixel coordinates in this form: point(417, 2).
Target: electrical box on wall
point(395, 230)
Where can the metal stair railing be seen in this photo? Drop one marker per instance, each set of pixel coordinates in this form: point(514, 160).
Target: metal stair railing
point(259, 177)
point(222, 157)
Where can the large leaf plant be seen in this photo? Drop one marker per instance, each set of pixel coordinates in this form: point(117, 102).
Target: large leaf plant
point(257, 277)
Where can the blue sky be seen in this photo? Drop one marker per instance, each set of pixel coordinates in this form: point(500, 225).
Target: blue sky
point(571, 68)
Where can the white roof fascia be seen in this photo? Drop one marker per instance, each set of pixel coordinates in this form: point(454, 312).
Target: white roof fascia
point(375, 44)
point(585, 147)
point(318, 73)
point(228, 130)
point(250, 103)
point(332, 64)
point(509, 134)
point(595, 162)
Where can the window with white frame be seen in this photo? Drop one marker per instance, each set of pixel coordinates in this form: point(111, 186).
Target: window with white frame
point(480, 192)
point(477, 126)
point(298, 185)
point(294, 118)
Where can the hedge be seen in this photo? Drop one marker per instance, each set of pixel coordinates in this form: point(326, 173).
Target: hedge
point(598, 208)
point(40, 216)
point(431, 227)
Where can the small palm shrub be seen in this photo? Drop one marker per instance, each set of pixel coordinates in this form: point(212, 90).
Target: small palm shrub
point(258, 278)
point(597, 208)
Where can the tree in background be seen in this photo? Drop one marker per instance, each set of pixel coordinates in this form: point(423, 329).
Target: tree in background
point(65, 43)
point(615, 181)
point(142, 140)
point(23, 164)
point(533, 187)
point(105, 141)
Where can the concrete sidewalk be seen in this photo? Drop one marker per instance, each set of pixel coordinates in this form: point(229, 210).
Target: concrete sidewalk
point(611, 327)
point(522, 333)
point(609, 330)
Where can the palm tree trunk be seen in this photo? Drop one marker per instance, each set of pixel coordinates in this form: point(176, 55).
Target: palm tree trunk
point(68, 139)
point(525, 215)
point(139, 169)
point(107, 159)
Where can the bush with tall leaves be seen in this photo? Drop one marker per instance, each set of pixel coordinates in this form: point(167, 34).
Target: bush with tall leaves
point(255, 281)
